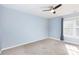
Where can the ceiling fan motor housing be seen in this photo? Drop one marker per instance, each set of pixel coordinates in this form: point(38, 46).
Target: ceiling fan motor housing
point(54, 12)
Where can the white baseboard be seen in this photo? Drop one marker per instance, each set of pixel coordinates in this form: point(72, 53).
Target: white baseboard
point(54, 38)
point(22, 44)
point(64, 41)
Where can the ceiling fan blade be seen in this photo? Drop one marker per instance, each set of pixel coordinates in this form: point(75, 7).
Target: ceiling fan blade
point(46, 10)
point(57, 6)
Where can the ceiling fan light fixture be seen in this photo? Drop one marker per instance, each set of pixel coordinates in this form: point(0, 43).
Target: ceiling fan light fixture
point(52, 11)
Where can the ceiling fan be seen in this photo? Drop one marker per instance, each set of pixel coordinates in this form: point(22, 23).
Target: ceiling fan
point(52, 9)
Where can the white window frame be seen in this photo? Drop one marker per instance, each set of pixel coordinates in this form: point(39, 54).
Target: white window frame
point(74, 35)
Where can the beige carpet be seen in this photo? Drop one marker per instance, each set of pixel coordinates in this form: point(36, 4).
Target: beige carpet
point(43, 47)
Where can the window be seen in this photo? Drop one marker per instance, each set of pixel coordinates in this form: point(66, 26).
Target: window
point(71, 27)
point(77, 26)
point(77, 31)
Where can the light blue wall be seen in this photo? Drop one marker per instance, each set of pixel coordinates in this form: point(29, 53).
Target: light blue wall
point(18, 27)
point(55, 27)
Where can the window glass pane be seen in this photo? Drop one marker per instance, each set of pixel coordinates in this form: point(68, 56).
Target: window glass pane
point(68, 27)
point(68, 24)
point(77, 22)
point(77, 31)
point(68, 31)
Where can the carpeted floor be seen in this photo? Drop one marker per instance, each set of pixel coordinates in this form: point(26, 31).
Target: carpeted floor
point(44, 47)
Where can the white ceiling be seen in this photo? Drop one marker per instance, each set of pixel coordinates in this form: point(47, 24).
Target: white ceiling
point(36, 9)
